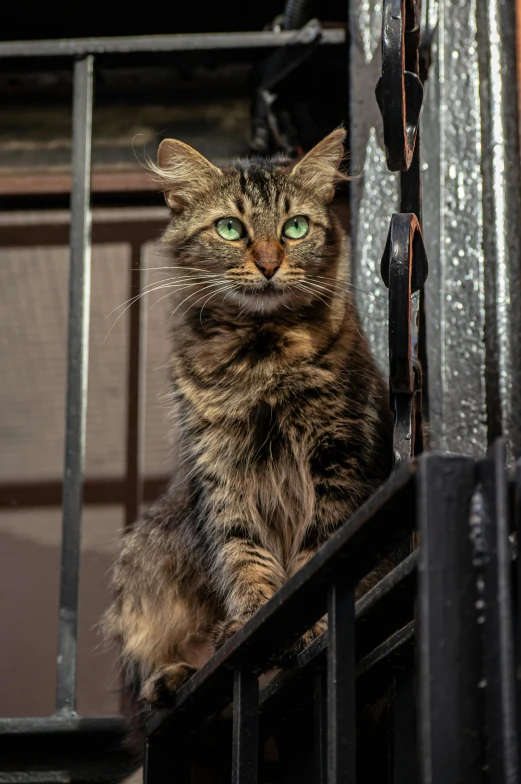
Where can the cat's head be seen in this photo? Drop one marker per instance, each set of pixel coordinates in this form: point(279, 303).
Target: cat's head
point(254, 235)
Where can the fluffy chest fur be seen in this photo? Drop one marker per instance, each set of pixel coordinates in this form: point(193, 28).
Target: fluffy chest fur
point(261, 407)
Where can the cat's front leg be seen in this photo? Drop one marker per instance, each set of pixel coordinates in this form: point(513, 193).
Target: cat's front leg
point(247, 576)
point(308, 549)
point(333, 505)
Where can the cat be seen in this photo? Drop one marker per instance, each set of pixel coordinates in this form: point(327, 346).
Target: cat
point(284, 421)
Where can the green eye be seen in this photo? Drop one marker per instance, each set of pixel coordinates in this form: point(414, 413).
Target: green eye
point(229, 229)
point(296, 228)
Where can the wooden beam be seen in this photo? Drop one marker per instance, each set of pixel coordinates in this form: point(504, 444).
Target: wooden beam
point(28, 184)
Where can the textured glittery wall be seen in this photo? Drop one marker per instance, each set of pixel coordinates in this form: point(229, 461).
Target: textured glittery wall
point(375, 194)
point(453, 230)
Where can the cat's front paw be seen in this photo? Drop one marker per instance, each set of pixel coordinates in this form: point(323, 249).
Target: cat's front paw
point(226, 629)
point(287, 658)
point(158, 691)
point(310, 636)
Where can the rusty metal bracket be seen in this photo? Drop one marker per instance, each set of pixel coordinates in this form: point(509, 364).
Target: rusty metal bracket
point(404, 271)
point(399, 91)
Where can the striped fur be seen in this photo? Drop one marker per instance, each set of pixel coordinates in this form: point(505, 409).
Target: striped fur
point(284, 422)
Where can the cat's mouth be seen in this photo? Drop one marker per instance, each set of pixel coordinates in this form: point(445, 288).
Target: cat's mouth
point(268, 289)
point(268, 296)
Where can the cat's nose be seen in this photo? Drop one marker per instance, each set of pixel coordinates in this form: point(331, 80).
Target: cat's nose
point(267, 258)
point(268, 268)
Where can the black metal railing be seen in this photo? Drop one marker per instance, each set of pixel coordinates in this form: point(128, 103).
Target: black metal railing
point(434, 639)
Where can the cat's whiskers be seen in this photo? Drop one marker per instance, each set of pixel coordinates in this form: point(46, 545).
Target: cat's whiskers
point(306, 282)
point(184, 286)
point(335, 291)
point(215, 283)
point(321, 287)
point(193, 304)
point(154, 287)
point(343, 283)
point(229, 288)
point(180, 284)
point(233, 287)
point(131, 302)
point(151, 291)
point(150, 287)
point(224, 287)
point(173, 267)
point(302, 287)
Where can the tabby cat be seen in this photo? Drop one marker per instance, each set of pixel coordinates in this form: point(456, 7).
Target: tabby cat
point(284, 423)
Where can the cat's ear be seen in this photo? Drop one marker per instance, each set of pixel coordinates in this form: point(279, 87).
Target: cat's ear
point(318, 170)
point(183, 172)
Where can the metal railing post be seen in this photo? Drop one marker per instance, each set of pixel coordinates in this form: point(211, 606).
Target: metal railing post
point(448, 647)
point(341, 684)
point(245, 750)
point(495, 611)
point(77, 367)
point(136, 389)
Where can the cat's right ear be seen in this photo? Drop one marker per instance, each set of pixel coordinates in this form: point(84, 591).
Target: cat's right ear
point(182, 172)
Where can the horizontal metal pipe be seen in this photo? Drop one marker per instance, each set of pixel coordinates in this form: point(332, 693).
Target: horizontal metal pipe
point(163, 43)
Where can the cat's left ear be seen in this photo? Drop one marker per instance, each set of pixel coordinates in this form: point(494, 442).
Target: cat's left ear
point(318, 170)
point(183, 173)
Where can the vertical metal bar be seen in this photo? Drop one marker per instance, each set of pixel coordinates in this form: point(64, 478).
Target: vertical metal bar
point(501, 168)
point(165, 761)
point(136, 388)
point(77, 367)
point(410, 188)
point(518, 15)
point(341, 685)
point(449, 727)
point(517, 619)
point(402, 730)
point(245, 752)
point(320, 718)
point(148, 774)
point(496, 625)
